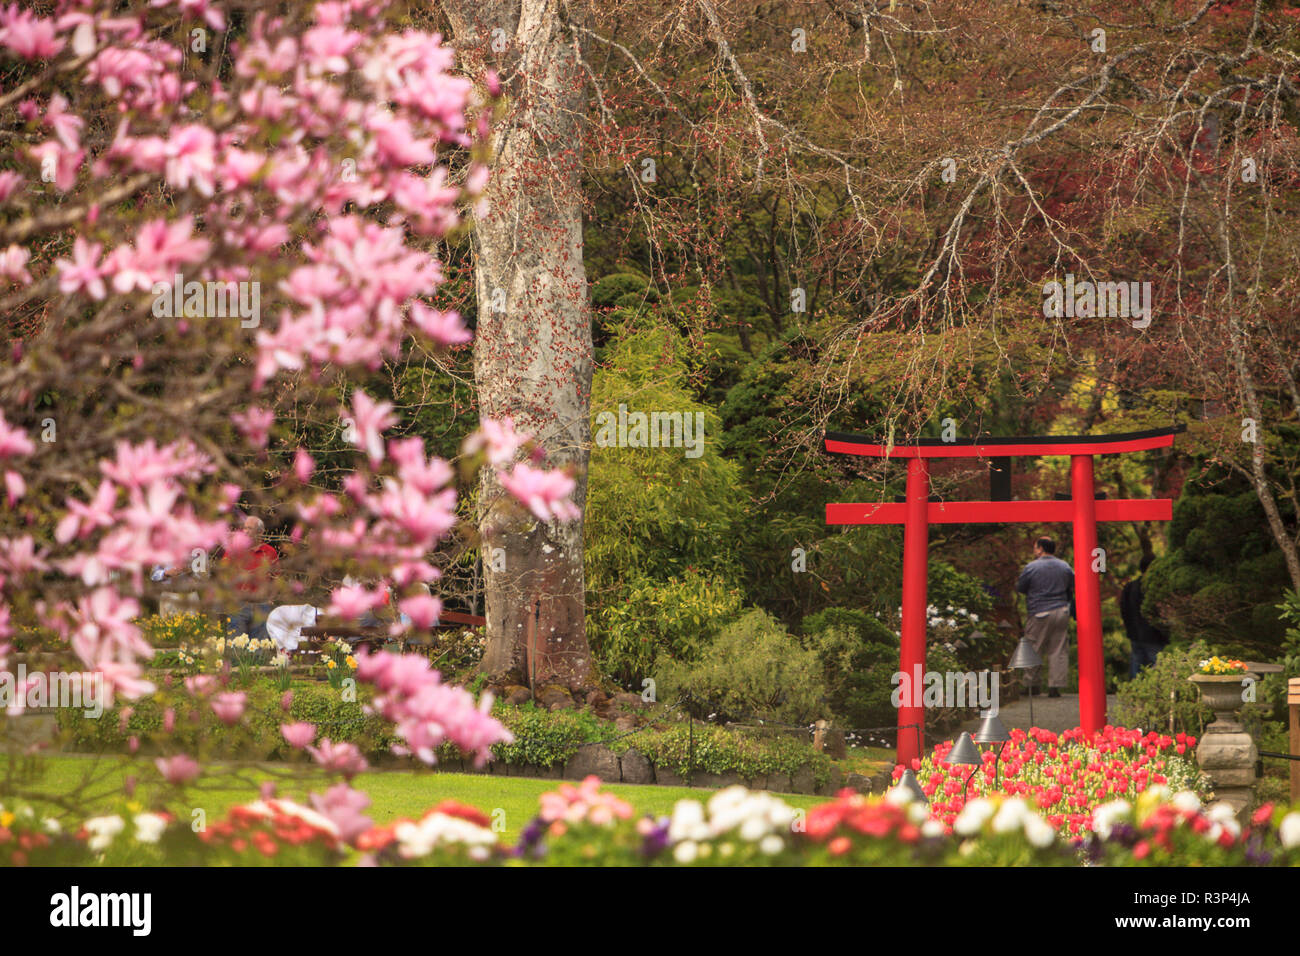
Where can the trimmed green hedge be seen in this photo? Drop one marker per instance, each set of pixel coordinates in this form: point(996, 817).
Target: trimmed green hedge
point(257, 735)
point(542, 738)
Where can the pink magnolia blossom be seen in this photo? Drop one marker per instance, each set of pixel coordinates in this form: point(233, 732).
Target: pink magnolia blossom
point(83, 272)
point(15, 487)
point(343, 806)
point(341, 758)
point(82, 519)
point(200, 685)
point(10, 183)
point(64, 162)
point(298, 735)
point(546, 493)
point(229, 707)
point(350, 603)
point(13, 264)
point(13, 441)
point(425, 711)
point(255, 424)
point(369, 419)
point(499, 438)
point(423, 609)
point(445, 328)
point(178, 770)
point(303, 465)
point(31, 37)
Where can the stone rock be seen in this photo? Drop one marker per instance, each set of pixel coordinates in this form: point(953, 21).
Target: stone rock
point(669, 778)
point(779, 783)
point(759, 782)
point(858, 782)
point(554, 697)
point(515, 695)
point(836, 748)
point(593, 759)
point(802, 780)
point(636, 768)
point(596, 697)
point(625, 724)
point(625, 699)
point(834, 784)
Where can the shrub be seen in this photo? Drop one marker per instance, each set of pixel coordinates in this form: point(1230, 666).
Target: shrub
point(1163, 688)
point(753, 668)
point(257, 735)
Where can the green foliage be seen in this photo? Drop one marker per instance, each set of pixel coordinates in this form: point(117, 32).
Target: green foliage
point(1147, 701)
point(710, 749)
point(257, 735)
point(188, 629)
point(656, 519)
point(658, 621)
point(544, 738)
point(608, 290)
point(1223, 575)
point(753, 668)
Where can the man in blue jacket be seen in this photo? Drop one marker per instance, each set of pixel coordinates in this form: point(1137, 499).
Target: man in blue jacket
point(1048, 585)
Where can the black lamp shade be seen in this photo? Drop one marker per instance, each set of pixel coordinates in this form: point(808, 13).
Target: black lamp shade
point(991, 730)
point(965, 752)
point(909, 782)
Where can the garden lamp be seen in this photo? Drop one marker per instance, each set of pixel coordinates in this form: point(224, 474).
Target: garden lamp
point(909, 783)
point(965, 752)
point(1024, 658)
point(991, 731)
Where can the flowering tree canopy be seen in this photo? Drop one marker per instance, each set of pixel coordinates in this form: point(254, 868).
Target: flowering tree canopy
point(214, 212)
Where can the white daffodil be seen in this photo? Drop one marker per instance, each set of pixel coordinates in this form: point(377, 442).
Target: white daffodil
point(1186, 801)
point(685, 852)
point(932, 828)
point(771, 844)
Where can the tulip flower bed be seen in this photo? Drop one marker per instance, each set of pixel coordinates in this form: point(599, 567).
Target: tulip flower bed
point(583, 825)
point(1063, 776)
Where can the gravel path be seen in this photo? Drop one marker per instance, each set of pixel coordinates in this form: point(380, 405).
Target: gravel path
point(1055, 715)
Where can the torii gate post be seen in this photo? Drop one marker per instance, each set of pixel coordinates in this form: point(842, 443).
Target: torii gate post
point(1083, 511)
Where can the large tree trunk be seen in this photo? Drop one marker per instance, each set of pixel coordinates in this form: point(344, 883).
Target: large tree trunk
point(532, 353)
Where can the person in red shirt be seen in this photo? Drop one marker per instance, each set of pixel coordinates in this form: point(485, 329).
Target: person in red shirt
point(255, 565)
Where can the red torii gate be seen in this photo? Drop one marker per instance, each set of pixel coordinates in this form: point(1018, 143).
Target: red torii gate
point(1083, 510)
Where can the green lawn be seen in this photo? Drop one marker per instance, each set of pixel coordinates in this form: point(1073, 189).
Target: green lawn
point(394, 793)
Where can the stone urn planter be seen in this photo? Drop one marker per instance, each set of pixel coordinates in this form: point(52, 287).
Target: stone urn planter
point(1226, 752)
